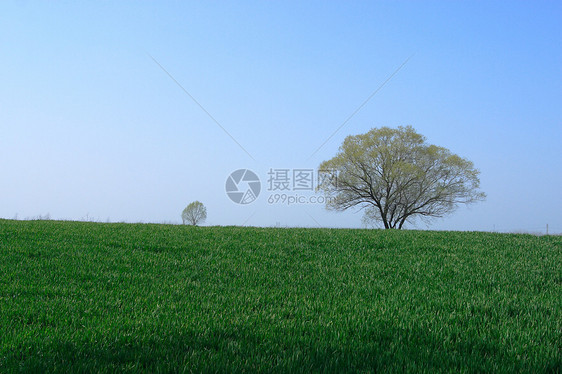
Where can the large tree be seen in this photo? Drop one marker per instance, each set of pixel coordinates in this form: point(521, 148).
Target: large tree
point(194, 213)
point(397, 176)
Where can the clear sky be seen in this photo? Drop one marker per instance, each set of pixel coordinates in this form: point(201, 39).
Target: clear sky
point(91, 127)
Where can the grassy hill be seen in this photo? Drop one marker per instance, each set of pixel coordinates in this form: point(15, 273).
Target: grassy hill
point(78, 296)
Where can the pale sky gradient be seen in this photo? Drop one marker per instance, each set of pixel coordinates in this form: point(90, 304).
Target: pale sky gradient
point(91, 127)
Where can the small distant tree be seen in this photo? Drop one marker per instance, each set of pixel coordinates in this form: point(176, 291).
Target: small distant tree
point(194, 214)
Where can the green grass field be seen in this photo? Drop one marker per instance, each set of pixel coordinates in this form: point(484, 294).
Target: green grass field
point(93, 297)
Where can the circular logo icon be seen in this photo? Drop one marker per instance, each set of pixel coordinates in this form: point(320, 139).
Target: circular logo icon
point(243, 186)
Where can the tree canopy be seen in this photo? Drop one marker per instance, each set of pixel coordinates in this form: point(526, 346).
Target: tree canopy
point(194, 213)
point(396, 176)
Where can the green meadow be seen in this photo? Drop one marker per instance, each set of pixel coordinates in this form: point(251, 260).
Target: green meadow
point(106, 297)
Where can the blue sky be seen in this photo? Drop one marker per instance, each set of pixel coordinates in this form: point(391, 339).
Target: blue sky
point(92, 128)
